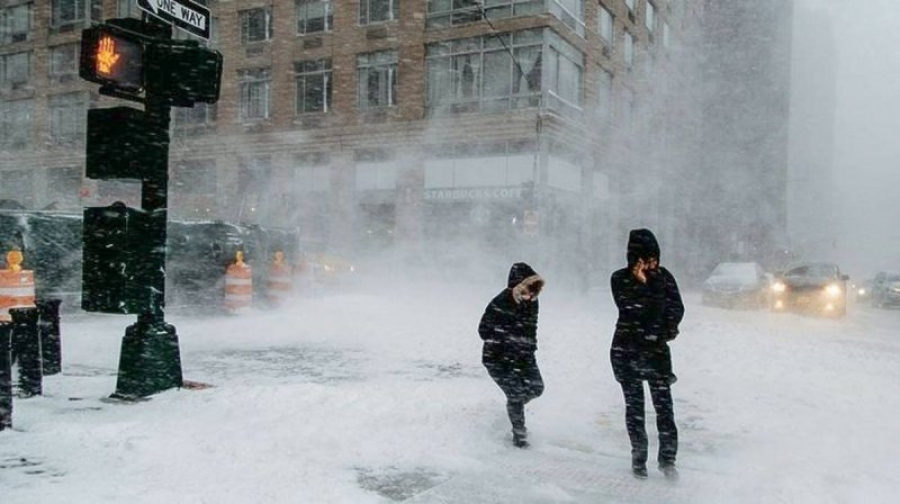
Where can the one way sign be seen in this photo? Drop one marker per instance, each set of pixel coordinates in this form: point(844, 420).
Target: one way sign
point(184, 14)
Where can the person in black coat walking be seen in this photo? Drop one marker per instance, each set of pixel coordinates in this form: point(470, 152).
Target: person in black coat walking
point(650, 309)
point(509, 330)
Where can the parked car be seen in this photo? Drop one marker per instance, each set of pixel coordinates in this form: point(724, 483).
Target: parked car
point(738, 285)
point(812, 287)
point(863, 291)
point(886, 291)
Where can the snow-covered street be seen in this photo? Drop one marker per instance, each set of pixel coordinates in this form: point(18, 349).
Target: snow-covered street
point(379, 396)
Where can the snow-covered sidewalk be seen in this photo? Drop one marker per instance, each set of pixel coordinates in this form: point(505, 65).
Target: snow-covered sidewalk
point(362, 398)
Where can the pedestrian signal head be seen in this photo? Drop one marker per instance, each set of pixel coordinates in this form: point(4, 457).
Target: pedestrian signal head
point(114, 57)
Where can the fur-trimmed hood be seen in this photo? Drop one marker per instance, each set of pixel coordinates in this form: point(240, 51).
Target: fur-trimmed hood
point(523, 278)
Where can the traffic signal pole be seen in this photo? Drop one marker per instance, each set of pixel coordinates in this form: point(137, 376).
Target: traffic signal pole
point(125, 248)
point(150, 358)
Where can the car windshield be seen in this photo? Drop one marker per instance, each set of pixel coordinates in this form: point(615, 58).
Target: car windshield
point(735, 271)
point(814, 271)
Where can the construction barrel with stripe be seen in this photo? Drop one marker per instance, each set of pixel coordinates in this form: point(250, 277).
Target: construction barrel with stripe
point(16, 286)
point(238, 284)
point(280, 285)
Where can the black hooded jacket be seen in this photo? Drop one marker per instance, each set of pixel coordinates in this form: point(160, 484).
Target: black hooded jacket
point(649, 314)
point(508, 328)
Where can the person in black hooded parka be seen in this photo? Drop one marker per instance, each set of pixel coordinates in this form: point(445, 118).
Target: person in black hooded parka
point(650, 309)
point(509, 330)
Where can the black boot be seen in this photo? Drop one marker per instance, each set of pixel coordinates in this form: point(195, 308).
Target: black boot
point(639, 472)
point(639, 463)
point(516, 410)
point(669, 471)
point(520, 439)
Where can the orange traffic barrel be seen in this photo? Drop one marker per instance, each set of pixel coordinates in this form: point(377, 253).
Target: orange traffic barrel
point(238, 284)
point(280, 280)
point(16, 286)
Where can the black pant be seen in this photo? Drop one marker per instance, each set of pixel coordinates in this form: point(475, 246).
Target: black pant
point(661, 395)
point(521, 381)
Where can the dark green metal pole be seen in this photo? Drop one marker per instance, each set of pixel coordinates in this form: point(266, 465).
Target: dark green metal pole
point(150, 360)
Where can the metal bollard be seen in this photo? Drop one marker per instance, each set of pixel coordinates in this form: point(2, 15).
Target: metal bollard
point(51, 345)
point(6, 404)
point(26, 342)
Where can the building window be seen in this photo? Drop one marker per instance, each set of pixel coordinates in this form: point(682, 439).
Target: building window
point(570, 12)
point(479, 74)
point(15, 70)
point(16, 121)
point(650, 19)
point(194, 187)
point(313, 86)
point(256, 94)
point(604, 95)
point(373, 11)
point(628, 50)
point(314, 16)
point(312, 172)
point(63, 187)
point(605, 21)
point(377, 79)
point(64, 60)
point(565, 70)
point(444, 13)
point(67, 118)
point(254, 174)
point(188, 121)
point(18, 185)
point(128, 8)
point(629, 106)
point(16, 23)
point(66, 15)
point(195, 177)
point(256, 25)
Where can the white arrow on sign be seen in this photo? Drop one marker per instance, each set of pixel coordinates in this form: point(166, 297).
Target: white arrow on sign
point(184, 14)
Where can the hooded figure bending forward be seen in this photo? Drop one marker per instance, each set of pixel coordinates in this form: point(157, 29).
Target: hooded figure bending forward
point(509, 330)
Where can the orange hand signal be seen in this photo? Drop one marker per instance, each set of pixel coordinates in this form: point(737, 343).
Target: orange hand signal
point(106, 55)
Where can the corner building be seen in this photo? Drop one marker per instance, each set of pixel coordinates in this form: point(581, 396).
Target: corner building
point(431, 127)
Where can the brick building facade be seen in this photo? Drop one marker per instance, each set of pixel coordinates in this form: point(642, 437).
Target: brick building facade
point(508, 126)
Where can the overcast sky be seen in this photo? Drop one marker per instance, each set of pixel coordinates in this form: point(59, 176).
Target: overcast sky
point(867, 136)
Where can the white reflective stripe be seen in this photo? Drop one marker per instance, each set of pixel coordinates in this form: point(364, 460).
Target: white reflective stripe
point(17, 291)
point(275, 293)
point(284, 277)
point(238, 281)
point(238, 297)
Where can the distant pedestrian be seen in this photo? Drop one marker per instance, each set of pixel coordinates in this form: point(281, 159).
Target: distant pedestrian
point(650, 309)
point(509, 330)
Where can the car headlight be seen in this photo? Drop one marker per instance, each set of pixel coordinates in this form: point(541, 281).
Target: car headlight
point(779, 287)
point(862, 291)
point(833, 290)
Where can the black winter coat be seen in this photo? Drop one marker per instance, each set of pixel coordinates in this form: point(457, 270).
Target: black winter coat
point(509, 329)
point(649, 314)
